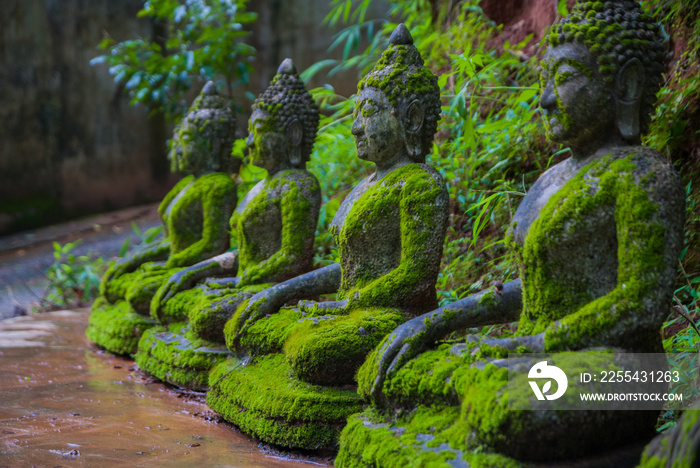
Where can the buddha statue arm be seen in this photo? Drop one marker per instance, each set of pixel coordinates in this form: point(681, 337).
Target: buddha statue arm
point(170, 196)
point(649, 227)
point(325, 280)
point(299, 206)
point(155, 251)
point(218, 198)
point(224, 264)
point(409, 339)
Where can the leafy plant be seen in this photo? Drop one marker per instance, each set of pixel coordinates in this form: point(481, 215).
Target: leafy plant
point(73, 281)
point(145, 237)
point(194, 40)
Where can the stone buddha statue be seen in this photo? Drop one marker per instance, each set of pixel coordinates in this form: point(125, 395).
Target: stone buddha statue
point(195, 217)
point(389, 230)
point(597, 237)
point(274, 225)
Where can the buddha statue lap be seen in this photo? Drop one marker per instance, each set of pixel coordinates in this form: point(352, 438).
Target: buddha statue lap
point(195, 215)
point(298, 389)
point(597, 237)
point(274, 225)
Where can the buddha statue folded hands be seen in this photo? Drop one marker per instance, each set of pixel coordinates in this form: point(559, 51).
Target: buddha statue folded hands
point(274, 225)
point(195, 217)
point(597, 237)
point(389, 231)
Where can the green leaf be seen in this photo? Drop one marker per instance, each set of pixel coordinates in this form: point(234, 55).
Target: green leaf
point(562, 9)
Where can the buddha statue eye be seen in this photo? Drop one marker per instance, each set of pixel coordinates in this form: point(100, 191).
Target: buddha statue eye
point(368, 108)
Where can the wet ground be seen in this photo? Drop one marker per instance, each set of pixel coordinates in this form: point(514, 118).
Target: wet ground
point(65, 403)
point(25, 256)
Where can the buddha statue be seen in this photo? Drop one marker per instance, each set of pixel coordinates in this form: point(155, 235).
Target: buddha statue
point(195, 217)
point(597, 238)
point(274, 225)
point(297, 390)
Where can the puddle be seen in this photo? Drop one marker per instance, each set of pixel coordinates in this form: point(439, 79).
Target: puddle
point(65, 403)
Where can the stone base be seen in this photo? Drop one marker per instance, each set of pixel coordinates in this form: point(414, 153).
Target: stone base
point(369, 441)
point(174, 357)
point(266, 401)
point(116, 327)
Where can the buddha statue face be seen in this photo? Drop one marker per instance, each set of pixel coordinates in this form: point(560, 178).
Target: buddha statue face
point(577, 104)
point(600, 75)
point(284, 123)
point(379, 136)
point(269, 147)
point(397, 106)
point(202, 142)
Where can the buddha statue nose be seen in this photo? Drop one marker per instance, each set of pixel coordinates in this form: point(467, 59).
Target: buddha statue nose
point(548, 99)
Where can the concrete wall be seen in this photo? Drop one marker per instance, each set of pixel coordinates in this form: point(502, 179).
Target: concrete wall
point(69, 142)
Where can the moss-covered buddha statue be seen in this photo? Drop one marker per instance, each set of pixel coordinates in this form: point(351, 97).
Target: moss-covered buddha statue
point(274, 225)
point(597, 237)
point(195, 216)
point(389, 230)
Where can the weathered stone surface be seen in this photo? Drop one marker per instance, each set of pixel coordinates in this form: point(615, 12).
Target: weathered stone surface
point(678, 446)
point(597, 237)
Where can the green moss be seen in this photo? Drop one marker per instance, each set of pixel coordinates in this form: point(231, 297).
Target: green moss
point(198, 220)
point(177, 356)
point(267, 402)
point(368, 440)
point(115, 327)
point(295, 195)
point(677, 447)
point(329, 352)
point(410, 286)
point(548, 297)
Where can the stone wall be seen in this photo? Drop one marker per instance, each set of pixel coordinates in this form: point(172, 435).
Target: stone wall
point(70, 144)
point(69, 141)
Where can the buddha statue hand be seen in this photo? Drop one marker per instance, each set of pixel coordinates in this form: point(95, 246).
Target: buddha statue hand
point(530, 343)
point(264, 303)
point(186, 278)
point(406, 342)
point(337, 307)
point(223, 283)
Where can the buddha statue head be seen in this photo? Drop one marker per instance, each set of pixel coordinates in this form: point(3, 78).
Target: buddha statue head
point(202, 142)
point(600, 75)
point(284, 122)
point(398, 105)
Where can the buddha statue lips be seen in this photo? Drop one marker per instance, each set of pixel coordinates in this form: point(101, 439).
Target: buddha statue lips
point(597, 238)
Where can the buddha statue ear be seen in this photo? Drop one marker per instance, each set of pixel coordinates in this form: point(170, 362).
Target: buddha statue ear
point(628, 91)
point(295, 133)
point(415, 115)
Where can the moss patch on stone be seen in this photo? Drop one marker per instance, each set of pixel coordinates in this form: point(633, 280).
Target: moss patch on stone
point(116, 327)
point(177, 356)
point(266, 401)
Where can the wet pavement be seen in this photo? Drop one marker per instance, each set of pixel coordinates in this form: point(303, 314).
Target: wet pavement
point(65, 403)
point(25, 256)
